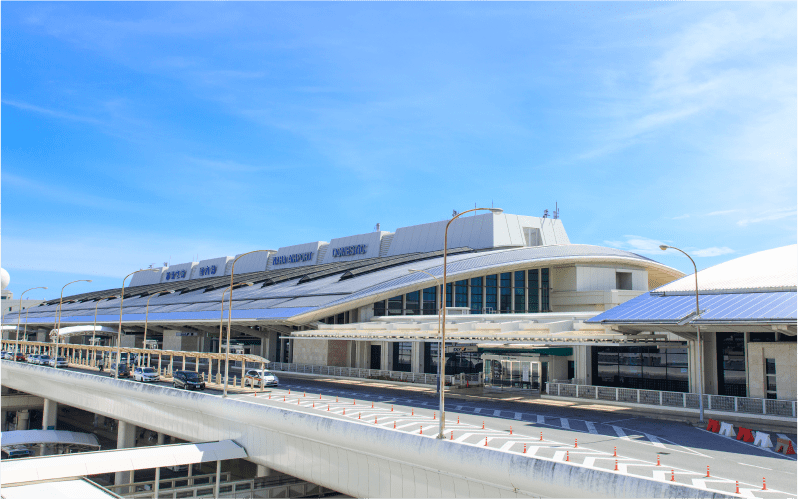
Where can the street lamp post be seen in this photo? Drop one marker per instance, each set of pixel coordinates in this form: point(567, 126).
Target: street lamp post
point(443, 312)
point(229, 320)
point(146, 318)
point(664, 247)
point(440, 302)
point(119, 332)
point(58, 316)
point(19, 315)
point(94, 330)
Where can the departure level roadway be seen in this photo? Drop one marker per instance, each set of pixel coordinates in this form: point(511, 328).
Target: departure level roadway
point(596, 433)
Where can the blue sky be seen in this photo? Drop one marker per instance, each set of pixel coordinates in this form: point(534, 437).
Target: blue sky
point(138, 133)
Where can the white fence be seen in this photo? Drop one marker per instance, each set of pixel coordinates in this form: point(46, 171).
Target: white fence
point(723, 403)
point(356, 372)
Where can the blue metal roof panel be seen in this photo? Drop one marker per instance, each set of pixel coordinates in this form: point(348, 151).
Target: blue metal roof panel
point(269, 313)
point(653, 308)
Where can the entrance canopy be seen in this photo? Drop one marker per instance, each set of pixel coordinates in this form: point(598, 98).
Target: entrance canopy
point(82, 330)
point(496, 329)
point(110, 461)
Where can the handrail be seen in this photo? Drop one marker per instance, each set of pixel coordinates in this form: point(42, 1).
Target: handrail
point(719, 403)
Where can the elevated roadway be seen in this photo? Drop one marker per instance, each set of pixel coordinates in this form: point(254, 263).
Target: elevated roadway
point(353, 454)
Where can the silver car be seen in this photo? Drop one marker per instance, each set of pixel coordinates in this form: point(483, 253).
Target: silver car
point(256, 377)
point(145, 374)
point(58, 362)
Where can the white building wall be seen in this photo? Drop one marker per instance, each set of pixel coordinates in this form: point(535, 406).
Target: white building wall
point(254, 262)
point(175, 272)
point(143, 278)
point(371, 241)
point(590, 278)
point(214, 267)
point(314, 248)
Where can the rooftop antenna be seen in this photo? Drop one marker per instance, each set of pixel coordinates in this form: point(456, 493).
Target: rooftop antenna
point(545, 213)
point(377, 227)
point(556, 211)
point(454, 213)
point(165, 264)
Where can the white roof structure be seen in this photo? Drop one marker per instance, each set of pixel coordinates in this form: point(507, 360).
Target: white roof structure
point(770, 270)
point(28, 437)
point(110, 461)
point(82, 330)
point(73, 488)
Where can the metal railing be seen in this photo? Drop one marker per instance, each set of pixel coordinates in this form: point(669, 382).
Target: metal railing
point(722, 403)
point(356, 372)
point(260, 487)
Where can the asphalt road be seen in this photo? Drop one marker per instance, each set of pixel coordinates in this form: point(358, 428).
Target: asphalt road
point(585, 437)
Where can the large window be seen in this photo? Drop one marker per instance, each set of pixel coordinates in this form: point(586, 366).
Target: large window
point(402, 356)
point(534, 291)
point(395, 305)
point(490, 294)
point(379, 308)
point(770, 379)
point(412, 303)
point(519, 291)
point(476, 295)
point(448, 294)
point(731, 364)
point(431, 357)
point(641, 367)
point(544, 290)
point(461, 293)
point(429, 296)
point(506, 292)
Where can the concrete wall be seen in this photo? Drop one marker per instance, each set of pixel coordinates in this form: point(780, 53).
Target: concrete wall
point(355, 459)
point(313, 352)
point(785, 355)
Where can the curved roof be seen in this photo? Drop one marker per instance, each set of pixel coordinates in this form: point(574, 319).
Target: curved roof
point(315, 293)
point(28, 437)
point(81, 330)
point(770, 270)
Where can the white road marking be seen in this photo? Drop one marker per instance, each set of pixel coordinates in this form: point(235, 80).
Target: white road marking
point(654, 440)
point(497, 413)
point(564, 424)
point(753, 466)
point(541, 419)
point(591, 428)
point(477, 410)
point(621, 434)
point(517, 415)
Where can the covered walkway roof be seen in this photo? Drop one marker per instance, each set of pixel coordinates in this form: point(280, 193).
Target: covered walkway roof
point(52, 437)
point(83, 330)
point(110, 461)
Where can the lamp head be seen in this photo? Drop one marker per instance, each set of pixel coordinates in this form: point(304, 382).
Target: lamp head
point(496, 211)
point(663, 247)
point(412, 270)
point(88, 280)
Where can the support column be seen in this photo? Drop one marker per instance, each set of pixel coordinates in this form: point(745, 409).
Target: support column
point(23, 418)
point(125, 437)
point(158, 472)
point(263, 471)
point(50, 414)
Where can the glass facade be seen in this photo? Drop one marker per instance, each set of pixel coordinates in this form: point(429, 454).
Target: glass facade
point(461, 293)
point(456, 363)
point(519, 291)
point(402, 356)
point(522, 291)
point(491, 305)
point(641, 367)
point(534, 291)
point(413, 303)
point(512, 372)
point(429, 296)
point(476, 295)
point(505, 280)
point(731, 364)
point(431, 357)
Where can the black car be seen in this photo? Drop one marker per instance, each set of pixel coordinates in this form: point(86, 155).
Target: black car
point(124, 370)
point(188, 380)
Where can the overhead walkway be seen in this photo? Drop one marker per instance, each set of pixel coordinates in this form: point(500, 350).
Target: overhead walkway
point(65, 441)
point(349, 456)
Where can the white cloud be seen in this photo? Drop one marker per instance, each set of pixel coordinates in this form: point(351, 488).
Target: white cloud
point(714, 251)
point(681, 217)
point(637, 244)
point(767, 216)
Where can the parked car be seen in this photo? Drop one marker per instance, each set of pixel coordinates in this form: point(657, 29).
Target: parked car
point(33, 358)
point(254, 377)
point(188, 380)
point(43, 360)
point(58, 362)
point(20, 357)
point(16, 451)
point(124, 370)
point(145, 374)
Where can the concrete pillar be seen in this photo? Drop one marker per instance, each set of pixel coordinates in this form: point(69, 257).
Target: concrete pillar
point(23, 418)
point(417, 357)
point(50, 415)
point(158, 471)
point(125, 437)
point(263, 471)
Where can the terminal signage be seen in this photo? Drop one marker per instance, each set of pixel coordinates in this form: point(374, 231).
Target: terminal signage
point(208, 270)
point(177, 274)
point(355, 249)
point(295, 258)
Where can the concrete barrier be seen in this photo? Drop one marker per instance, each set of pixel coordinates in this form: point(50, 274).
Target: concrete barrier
point(356, 459)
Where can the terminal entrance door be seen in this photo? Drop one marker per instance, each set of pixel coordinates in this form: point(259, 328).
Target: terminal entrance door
point(517, 373)
point(376, 354)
